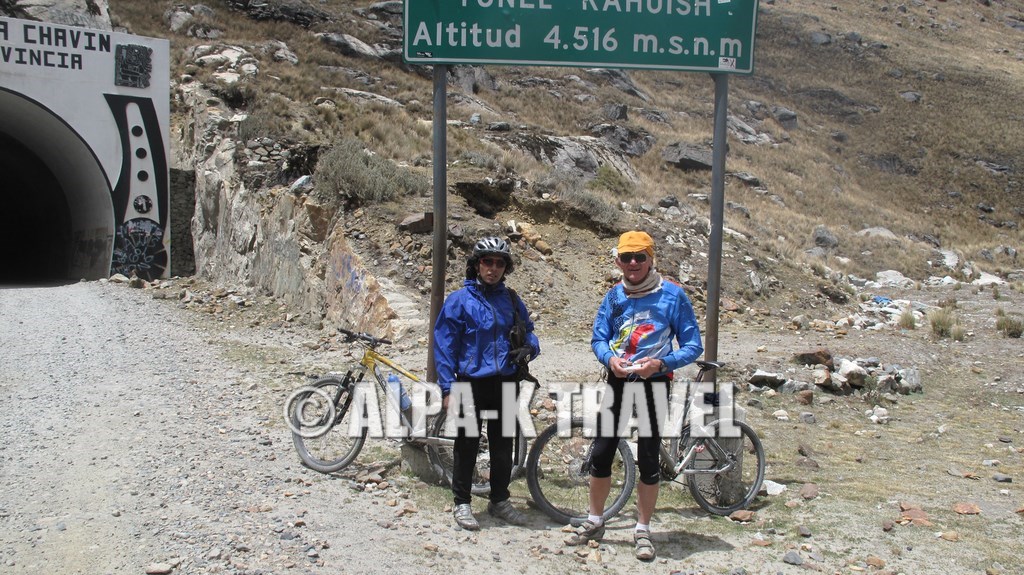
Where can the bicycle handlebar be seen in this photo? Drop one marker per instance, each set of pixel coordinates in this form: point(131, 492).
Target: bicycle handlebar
point(371, 340)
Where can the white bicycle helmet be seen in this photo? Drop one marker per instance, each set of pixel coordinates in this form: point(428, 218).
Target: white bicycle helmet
point(489, 246)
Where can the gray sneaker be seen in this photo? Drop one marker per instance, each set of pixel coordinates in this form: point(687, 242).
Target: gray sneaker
point(463, 513)
point(506, 513)
point(587, 531)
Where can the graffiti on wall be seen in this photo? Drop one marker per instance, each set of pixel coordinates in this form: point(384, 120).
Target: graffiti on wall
point(353, 295)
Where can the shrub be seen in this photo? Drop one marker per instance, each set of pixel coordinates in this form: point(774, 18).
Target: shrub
point(613, 181)
point(942, 321)
point(348, 170)
point(907, 320)
point(262, 122)
point(1011, 327)
point(584, 202)
point(479, 159)
point(819, 269)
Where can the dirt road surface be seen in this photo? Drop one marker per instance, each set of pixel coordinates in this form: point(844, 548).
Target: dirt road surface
point(145, 435)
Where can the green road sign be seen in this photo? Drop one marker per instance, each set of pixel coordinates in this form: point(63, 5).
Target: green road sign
point(695, 35)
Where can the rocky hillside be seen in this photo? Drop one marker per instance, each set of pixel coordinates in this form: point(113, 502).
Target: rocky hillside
point(871, 137)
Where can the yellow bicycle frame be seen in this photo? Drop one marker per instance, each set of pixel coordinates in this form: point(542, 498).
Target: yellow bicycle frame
point(371, 358)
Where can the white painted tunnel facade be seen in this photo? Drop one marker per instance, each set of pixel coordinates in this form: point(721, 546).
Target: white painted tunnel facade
point(84, 151)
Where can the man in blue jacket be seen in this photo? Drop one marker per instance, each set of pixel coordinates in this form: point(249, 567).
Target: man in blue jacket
point(472, 344)
point(633, 337)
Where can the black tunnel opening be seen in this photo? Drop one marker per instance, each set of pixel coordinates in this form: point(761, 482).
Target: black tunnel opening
point(35, 222)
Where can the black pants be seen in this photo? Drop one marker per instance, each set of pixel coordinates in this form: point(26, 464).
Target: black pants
point(607, 441)
point(486, 396)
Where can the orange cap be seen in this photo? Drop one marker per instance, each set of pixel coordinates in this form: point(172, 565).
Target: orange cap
point(631, 242)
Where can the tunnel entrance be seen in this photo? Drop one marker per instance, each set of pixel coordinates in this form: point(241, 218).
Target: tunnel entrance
point(35, 223)
point(84, 154)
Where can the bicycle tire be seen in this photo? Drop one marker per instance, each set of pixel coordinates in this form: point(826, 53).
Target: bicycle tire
point(442, 457)
point(714, 492)
point(322, 445)
point(558, 475)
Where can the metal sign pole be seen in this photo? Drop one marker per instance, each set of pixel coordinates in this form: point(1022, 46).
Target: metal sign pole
point(717, 217)
point(440, 245)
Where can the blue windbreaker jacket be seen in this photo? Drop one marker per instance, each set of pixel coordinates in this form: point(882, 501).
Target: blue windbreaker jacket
point(471, 334)
point(644, 327)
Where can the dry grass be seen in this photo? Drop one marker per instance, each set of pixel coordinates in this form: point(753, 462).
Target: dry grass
point(907, 319)
point(1007, 325)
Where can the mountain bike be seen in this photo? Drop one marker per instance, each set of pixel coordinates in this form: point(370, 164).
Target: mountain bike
point(718, 470)
point(558, 473)
point(723, 471)
point(330, 418)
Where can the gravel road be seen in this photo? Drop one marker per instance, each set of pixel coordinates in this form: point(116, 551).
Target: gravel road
point(142, 437)
point(141, 431)
point(129, 444)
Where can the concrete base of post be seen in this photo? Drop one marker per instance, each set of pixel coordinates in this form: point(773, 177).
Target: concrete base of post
point(416, 462)
point(730, 484)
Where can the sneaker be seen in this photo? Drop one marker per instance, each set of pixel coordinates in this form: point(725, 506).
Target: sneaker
point(644, 546)
point(587, 531)
point(464, 517)
point(506, 513)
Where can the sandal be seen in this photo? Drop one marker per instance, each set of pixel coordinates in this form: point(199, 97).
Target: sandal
point(586, 532)
point(644, 546)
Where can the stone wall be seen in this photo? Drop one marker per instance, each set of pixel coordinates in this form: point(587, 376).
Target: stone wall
point(269, 238)
point(182, 197)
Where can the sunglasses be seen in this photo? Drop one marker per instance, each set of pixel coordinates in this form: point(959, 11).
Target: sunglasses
point(637, 257)
point(493, 262)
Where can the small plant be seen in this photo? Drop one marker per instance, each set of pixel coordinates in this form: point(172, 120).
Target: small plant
point(958, 332)
point(942, 321)
point(995, 293)
point(1010, 327)
point(263, 122)
point(907, 319)
point(819, 269)
point(479, 159)
point(948, 303)
point(582, 202)
point(613, 181)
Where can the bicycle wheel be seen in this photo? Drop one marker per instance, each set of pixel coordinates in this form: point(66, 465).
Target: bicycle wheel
point(558, 474)
point(723, 493)
point(319, 419)
point(443, 460)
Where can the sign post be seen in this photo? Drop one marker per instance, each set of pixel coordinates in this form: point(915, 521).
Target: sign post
point(715, 36)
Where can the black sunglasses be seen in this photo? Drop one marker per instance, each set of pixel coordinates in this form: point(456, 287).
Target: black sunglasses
point(638, 257)
point(493, 262)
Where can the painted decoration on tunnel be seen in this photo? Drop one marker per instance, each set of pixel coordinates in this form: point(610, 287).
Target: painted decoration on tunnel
point(140, 194)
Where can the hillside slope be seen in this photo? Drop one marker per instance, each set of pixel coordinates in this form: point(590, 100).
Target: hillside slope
point(870, 137)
